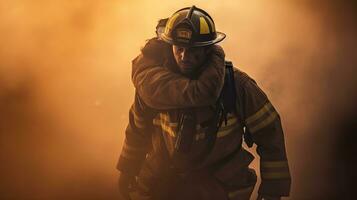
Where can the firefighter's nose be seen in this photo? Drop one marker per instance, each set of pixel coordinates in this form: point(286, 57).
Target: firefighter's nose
point(184, 55)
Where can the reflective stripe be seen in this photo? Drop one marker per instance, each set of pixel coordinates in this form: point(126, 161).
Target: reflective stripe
point(264, 123)
point(165, 118)
point(165, 124)
point(232, 125)
point(224, 133)
point(261, 118)
point(227, 130)
point(168, 130)
point(204, 29)
point(170, 127)
point(159, 121)
point(259, 114)
point(275, 175)
point(156, 122)
point(274, 169)
point(230, 121)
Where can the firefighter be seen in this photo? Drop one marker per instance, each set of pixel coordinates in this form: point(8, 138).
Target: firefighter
point(190, 114)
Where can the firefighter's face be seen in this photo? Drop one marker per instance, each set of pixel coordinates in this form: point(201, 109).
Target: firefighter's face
point(189, 59)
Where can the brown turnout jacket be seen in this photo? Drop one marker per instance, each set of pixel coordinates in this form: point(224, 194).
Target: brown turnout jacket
point(162, 93)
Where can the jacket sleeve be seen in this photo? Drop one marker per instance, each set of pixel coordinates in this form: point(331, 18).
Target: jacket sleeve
point(160, 88)
point(137, 138)
point(262, 121)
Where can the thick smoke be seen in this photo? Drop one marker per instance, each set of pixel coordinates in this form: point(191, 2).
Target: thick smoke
point(65, 87)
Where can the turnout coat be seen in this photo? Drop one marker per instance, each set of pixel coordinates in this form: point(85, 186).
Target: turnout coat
point(163, 96)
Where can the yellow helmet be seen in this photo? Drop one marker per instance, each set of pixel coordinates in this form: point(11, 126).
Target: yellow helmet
point(191, 27)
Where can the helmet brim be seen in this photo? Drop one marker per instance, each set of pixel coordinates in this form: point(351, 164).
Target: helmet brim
point(220, 36)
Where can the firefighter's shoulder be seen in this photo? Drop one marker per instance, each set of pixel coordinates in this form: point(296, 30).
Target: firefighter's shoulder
point(251, 96)
point(242, 77)
point(246, 84)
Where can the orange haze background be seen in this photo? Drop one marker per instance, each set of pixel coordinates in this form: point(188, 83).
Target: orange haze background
point(65, 87)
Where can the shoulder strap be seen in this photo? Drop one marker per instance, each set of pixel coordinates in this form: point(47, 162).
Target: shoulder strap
point(227, 103)
point(229, 94)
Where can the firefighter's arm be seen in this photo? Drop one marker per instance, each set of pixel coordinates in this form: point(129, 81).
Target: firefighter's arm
point(262, 121)
point(161, 88)
point(137, 139)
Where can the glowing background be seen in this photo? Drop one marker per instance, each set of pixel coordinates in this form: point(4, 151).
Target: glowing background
point(65, 85)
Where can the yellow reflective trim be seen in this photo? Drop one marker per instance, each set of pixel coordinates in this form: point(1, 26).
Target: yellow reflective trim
point(165, 125)
point(230, 122)
point(225, 132)
point(258, 114)
point(164, 119)
point(275, 175)
point(204, 29)
point(168, 129)
point(164, 116)
point(274, 164)
point(264, 123)
point(170, 23)
point(156, 122)
point(230, 127)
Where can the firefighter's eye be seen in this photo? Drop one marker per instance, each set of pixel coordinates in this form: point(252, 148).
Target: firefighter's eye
point(180, 49)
